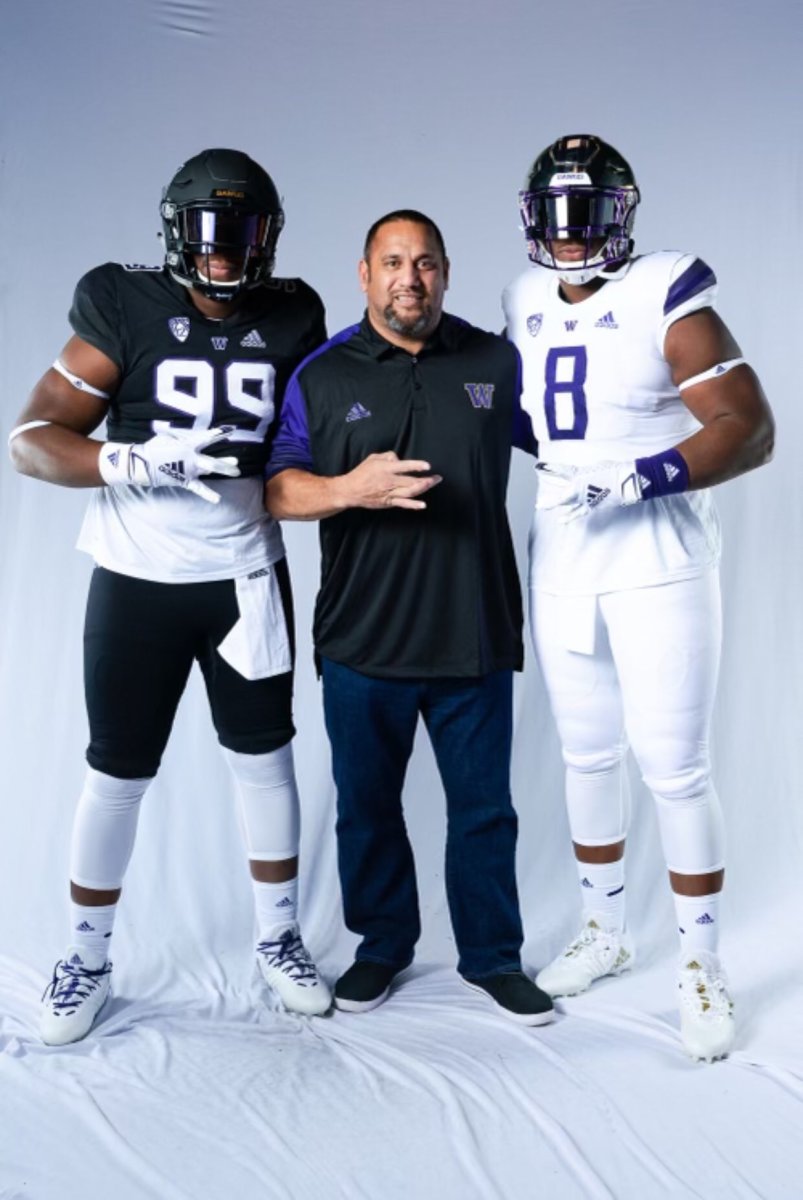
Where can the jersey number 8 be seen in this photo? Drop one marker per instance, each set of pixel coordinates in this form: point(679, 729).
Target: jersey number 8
point(565, 397)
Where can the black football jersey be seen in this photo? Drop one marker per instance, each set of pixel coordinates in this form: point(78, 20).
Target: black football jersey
point(180, 369)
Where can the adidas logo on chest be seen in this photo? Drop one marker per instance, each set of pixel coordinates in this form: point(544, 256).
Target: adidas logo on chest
point(608, 321)
point(579, 325)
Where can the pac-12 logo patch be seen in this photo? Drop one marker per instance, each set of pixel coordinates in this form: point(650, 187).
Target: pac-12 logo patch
point(534, 324)
point(180, 328)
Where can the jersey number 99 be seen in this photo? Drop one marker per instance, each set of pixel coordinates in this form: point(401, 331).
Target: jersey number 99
point(249, 388)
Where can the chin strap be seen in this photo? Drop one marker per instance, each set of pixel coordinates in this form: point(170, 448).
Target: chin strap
point(607, 271)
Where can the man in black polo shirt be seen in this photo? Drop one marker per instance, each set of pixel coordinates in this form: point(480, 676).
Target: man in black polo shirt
point(419, 610)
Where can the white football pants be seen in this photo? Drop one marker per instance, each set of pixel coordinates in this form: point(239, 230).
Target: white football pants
point(649, 679)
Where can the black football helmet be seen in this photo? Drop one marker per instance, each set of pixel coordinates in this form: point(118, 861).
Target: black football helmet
point(580, 188)
point(220, 200)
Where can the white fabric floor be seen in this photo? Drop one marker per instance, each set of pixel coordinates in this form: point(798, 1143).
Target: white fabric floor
point(195, 1085)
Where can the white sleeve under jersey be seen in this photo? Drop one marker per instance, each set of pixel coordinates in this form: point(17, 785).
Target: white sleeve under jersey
point(598, 389)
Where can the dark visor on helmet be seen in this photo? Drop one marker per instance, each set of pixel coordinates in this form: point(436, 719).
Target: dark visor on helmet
point(210, 227)
point(560, 214)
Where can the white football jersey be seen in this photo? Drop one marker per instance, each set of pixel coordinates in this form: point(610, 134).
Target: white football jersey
point(598, 389)
point(169, 535)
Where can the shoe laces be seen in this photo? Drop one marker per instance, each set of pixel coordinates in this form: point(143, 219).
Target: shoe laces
point(72, 983)
point(289, 954)
point(704, 993)
point(592, 939)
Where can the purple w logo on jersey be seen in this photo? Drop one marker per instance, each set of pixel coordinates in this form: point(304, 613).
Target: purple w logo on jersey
point(480, 394)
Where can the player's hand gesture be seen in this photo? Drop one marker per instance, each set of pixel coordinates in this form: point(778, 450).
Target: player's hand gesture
point(169, 459)
point(578, 491)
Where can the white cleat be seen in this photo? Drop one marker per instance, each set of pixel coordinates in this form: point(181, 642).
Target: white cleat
point(286, 966)
point(72, 1000)
point(707, 1027)
point(596, 952)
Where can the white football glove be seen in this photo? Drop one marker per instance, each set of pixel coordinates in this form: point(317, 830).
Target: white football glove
point(169, 459)
point(578, 491)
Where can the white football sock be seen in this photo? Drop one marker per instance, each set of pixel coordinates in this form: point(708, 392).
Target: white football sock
point(698, 922)
point(602, 886)
point(90, 933)
point(276, 906)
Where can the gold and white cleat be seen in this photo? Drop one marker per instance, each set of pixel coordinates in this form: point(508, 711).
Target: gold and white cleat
point(707, 1027)
point(594, 953)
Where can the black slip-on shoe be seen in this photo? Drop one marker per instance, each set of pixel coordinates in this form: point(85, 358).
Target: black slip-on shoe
point(516, 997)
point(364, 986)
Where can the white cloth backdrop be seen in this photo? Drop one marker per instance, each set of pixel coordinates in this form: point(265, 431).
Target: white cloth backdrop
point(193, 1086)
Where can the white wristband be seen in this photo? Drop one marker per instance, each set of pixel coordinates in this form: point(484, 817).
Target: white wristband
point(114, 464)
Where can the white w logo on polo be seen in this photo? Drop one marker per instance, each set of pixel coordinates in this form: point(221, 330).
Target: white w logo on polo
point(480, 394)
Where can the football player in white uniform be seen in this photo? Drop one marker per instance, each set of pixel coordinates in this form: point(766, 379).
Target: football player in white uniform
point(640, 401)
point(186, 363)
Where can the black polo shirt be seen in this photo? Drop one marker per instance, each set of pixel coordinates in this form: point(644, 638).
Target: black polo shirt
point(428, 593)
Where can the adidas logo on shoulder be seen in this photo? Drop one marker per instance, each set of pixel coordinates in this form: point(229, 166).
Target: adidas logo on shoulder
point(606, 322)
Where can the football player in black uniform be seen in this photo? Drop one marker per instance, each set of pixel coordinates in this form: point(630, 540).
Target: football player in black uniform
point(186, 363)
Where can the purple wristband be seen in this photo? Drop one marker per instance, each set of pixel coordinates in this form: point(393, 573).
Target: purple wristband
point(662, 474)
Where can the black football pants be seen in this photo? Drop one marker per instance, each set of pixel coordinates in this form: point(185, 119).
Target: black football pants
point(140, 641)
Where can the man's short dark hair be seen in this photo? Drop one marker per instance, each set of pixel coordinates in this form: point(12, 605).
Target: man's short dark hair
point(403, 214)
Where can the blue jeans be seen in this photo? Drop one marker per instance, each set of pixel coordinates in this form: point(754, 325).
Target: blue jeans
point(371, 725)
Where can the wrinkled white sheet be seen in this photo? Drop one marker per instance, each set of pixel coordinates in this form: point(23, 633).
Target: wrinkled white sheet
point(199, 1089)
